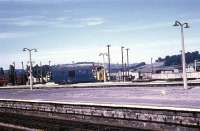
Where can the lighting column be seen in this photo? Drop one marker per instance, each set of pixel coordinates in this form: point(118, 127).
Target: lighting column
point(31, 75)
point(182, 26)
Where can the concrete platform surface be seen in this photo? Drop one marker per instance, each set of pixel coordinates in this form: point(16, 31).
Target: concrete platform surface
point(141, 96)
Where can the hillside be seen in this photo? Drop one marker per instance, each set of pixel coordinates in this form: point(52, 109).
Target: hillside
point(176, 59)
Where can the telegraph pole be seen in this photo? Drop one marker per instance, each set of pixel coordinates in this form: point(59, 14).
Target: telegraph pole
point(152, 65)
point(122, 63)
point(127, 60)
point(22, 65)
point(14, 76)
point(49, 63)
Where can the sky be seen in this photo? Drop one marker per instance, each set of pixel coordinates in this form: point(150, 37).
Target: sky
point(66, 31)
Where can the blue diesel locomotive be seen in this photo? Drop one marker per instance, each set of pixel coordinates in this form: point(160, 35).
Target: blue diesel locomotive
point(76, 73)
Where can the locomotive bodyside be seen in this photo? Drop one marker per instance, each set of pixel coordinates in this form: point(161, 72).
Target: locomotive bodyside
point(62, 74)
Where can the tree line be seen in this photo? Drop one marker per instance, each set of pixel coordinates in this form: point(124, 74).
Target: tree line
point(20, 76)
point(177, 59)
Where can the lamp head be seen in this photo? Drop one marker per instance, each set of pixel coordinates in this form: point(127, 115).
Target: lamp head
point(35, 50)
point(186, 25)
point(24, 49)
point(176, 23)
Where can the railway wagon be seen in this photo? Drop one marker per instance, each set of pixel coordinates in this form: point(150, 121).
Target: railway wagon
point(75, 73)
point(3, 81)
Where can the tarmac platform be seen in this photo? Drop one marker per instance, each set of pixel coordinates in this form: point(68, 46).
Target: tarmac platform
point(130, 107)
point(151, 96)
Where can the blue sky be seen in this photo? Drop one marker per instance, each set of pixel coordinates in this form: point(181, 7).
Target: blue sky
point(78, 30)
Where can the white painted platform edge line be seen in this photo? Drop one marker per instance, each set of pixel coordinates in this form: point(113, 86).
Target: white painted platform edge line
point(110, 105)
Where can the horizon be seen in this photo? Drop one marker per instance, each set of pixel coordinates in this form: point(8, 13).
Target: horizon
point(66, 31)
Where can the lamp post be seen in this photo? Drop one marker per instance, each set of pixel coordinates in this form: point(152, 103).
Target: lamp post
point(122, 62)
point(103, 56)
point(41, 72)
point(183, 25)
point(23, 74)
point(108, 61)
point(31, 75)
point(195, 65)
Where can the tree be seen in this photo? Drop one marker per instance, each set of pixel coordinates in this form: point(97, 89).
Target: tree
point(41, 71)
point(12, 75)
point(177, 59)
